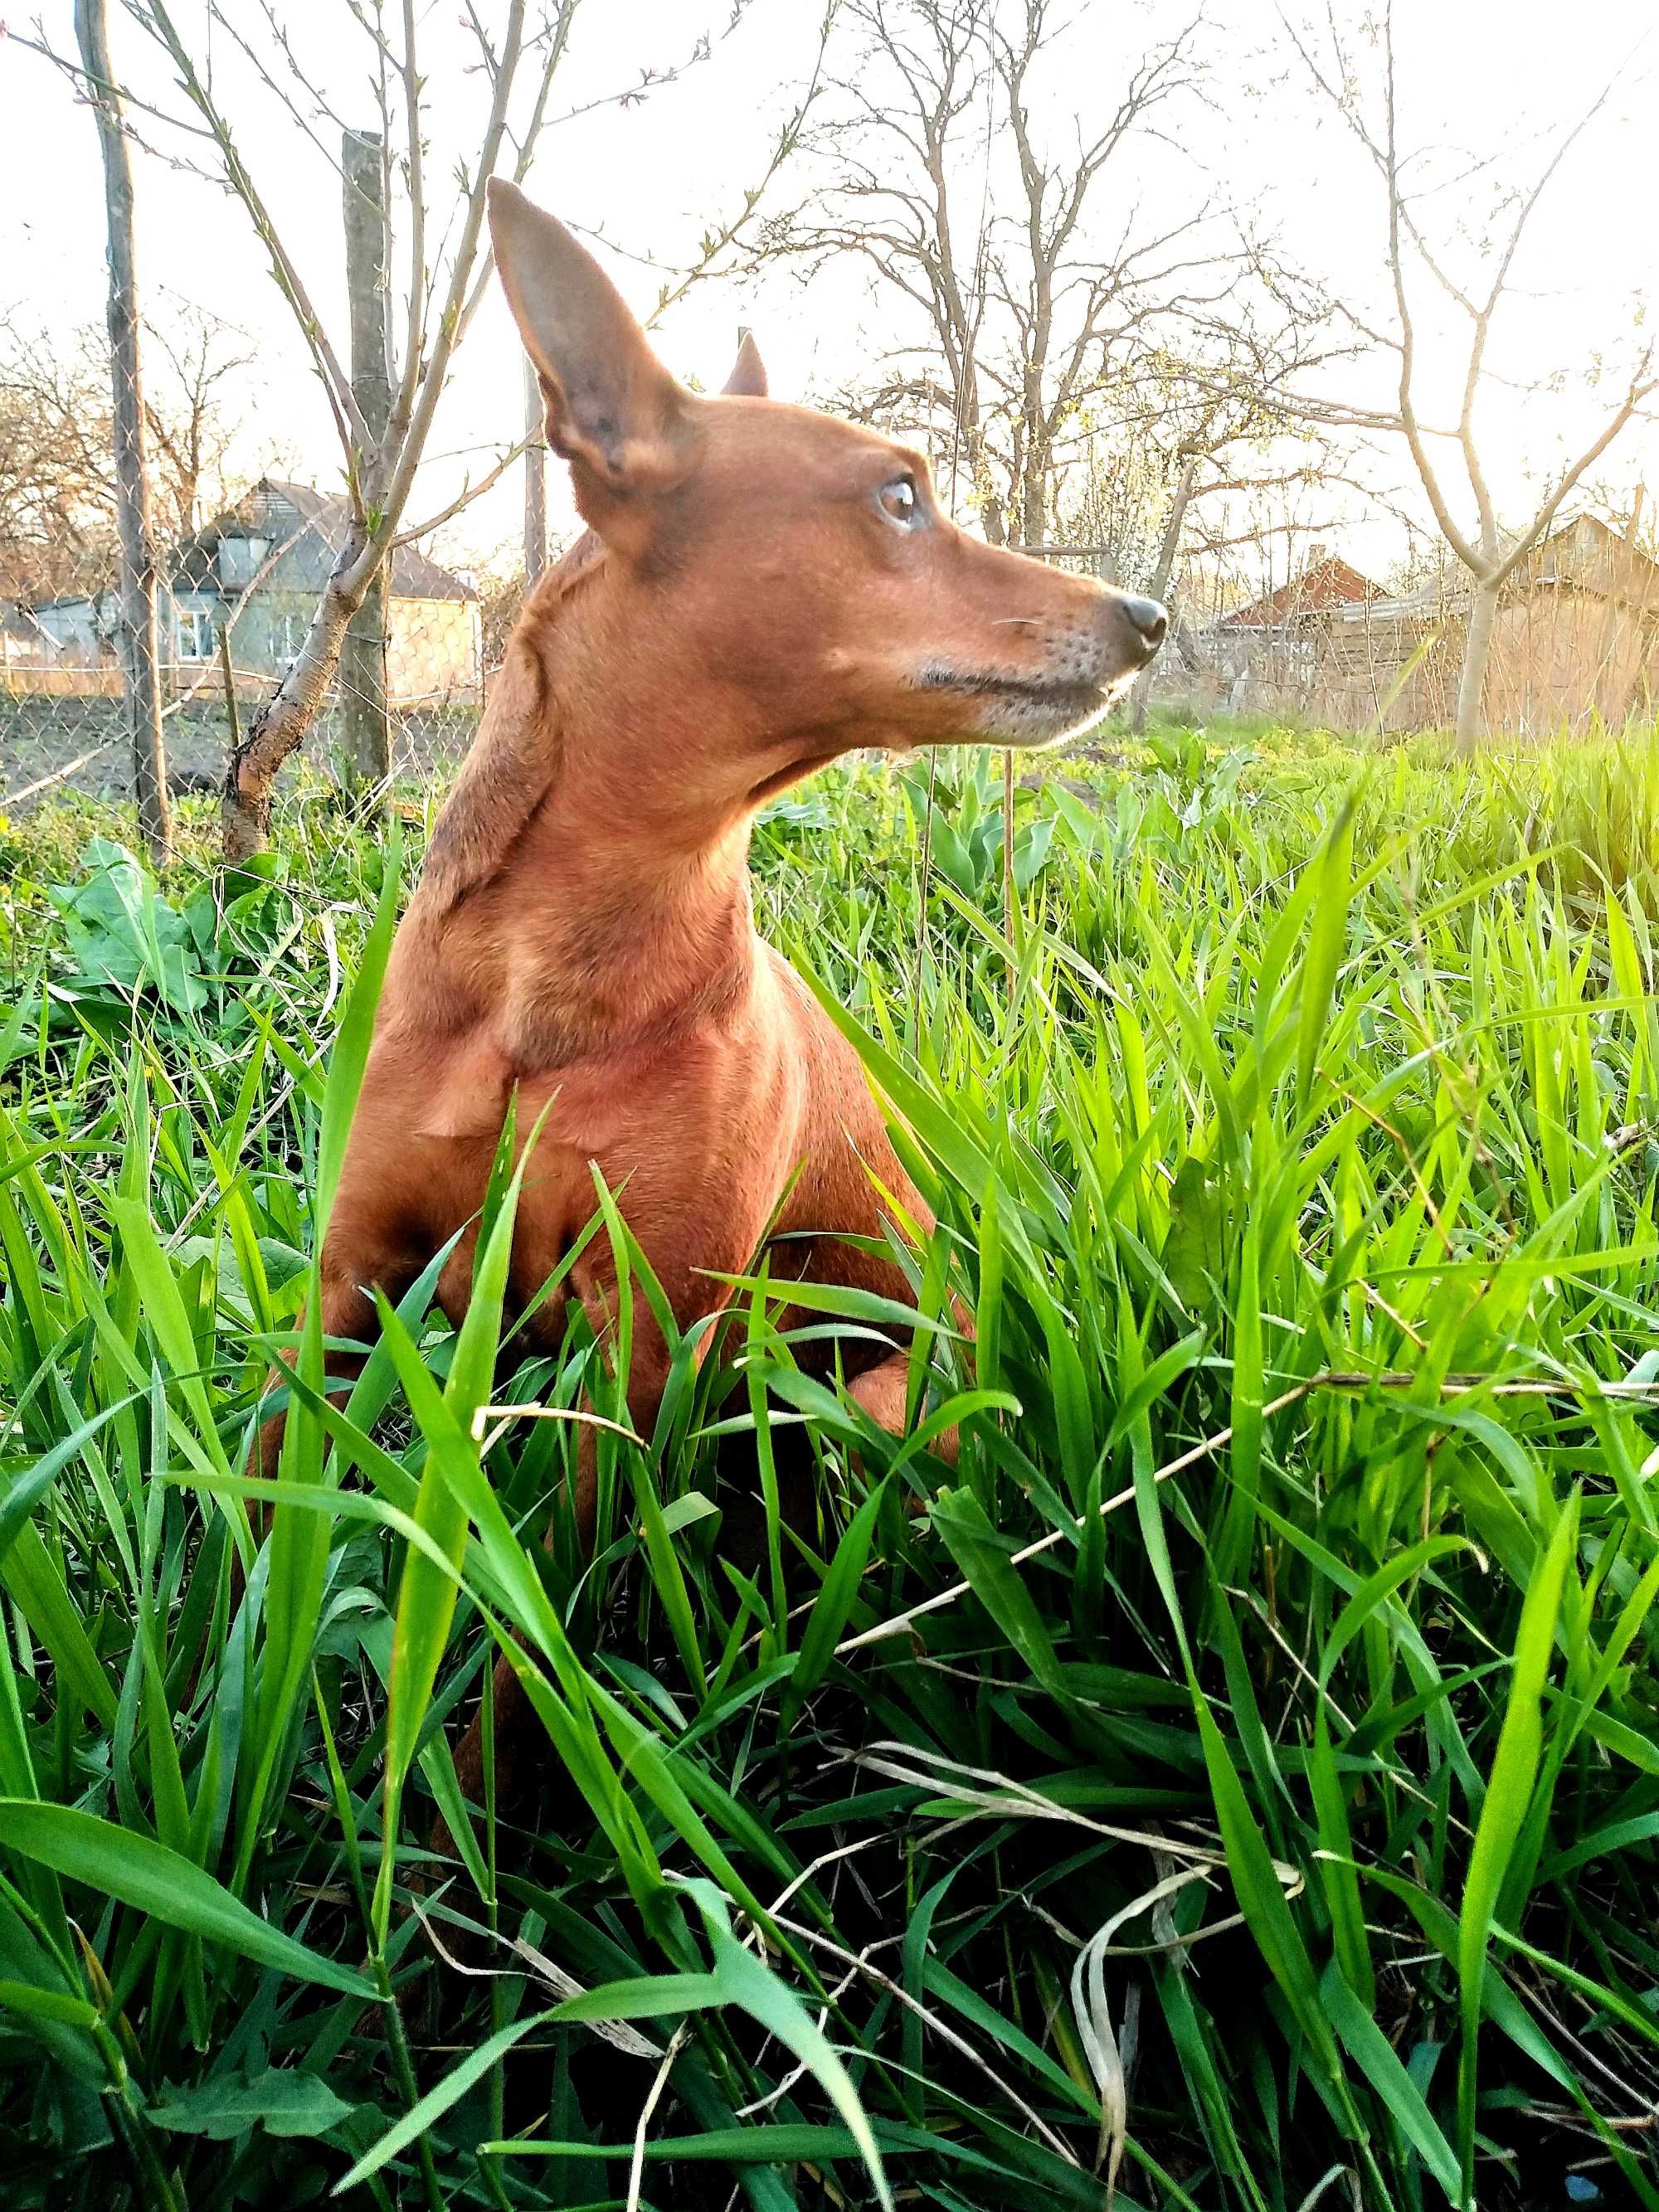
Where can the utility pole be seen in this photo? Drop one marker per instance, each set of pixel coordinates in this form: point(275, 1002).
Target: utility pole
point(362, 655)
point(137, 623)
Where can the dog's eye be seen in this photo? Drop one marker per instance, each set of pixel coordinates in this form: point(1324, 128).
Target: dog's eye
point(899, 502)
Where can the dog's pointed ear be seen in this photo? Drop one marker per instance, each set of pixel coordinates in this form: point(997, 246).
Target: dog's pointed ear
point(613, 410)
point(748, 377)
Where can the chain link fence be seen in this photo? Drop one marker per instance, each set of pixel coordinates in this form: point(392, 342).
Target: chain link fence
point(235, 593)
point(1575, 641)
point(239, 573)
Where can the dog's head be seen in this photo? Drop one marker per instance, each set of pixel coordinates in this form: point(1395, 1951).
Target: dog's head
point(802, 565)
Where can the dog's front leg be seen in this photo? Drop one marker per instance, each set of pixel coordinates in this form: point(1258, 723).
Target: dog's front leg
point(509, 1707)
point(353, 1268)
point(884, 1393)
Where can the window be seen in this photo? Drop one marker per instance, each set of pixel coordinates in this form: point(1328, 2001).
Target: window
point(240, 560)
point(196, 639)
point(288, 635)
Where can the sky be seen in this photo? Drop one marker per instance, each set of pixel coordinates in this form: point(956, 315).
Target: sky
point(1480, 77)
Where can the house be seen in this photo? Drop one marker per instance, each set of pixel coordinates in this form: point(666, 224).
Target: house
point(1277, 644)
point(1326, 581)
point(25, 642)
point(256, 571)
point(260, 568)
point(1575, 643)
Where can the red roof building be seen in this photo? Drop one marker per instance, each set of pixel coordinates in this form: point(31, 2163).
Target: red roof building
point(1326, 582)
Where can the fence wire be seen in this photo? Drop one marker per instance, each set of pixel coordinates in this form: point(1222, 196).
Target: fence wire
point(239, 577)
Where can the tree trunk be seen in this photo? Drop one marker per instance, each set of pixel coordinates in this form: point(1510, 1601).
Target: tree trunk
point(535, 478)
point(1167, 553)
point(363, 692)
point(362, 660)
point(137, 632)
point(1035, 503)
point(282, 723)
point(1477, 651)
point(986, 498)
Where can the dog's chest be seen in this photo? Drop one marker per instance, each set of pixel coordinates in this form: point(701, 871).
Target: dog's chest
point(588, 1107)
point(465, 1093)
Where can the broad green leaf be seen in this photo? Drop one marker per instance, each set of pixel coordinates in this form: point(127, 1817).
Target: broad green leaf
point(139, 1872)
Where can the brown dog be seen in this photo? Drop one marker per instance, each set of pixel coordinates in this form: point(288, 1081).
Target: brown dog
point(762, 589)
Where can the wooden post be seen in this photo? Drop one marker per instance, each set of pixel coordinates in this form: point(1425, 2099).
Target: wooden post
point(535, 476)
point(362, 655)
point(137, 618)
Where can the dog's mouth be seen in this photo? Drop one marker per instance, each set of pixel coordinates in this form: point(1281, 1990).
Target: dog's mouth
point(1026, 710)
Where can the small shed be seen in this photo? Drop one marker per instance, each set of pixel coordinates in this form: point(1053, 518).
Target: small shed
point(80, 626)
point(25, 642)
point(1326, 581)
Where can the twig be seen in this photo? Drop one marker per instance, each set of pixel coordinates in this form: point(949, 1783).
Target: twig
point(822, 1942)
point(901, 1621)
point(534, 1411)
point(57, 776)
point(1452, 1386)
point(636, 2170)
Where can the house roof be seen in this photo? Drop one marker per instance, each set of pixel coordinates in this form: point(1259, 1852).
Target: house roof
point(1587, 551)
point(19, 623)
point(1330, 583)
point(414, 575)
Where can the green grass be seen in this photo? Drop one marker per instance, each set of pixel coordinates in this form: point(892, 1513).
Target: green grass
point(1238, 1777)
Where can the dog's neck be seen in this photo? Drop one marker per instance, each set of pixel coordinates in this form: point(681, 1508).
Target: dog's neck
point(623, 923)
point(597, 839)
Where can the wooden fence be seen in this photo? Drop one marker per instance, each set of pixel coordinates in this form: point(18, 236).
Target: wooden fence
point(24, 682)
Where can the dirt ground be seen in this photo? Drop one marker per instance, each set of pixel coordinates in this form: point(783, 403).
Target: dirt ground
point(51, 746)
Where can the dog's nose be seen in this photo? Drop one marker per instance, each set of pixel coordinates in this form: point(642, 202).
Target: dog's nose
point(1149, 622)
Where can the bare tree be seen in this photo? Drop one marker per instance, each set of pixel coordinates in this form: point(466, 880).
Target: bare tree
point(137, 624)
point(1489, 551)
point(1203, 417)
point(57, 466)
point(1215, 440)
point(515, 65)
point(191, 415)
point(981, 220)
point(515, 50)
point(57, 479)
point(1116, 298)
point(914, 91)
